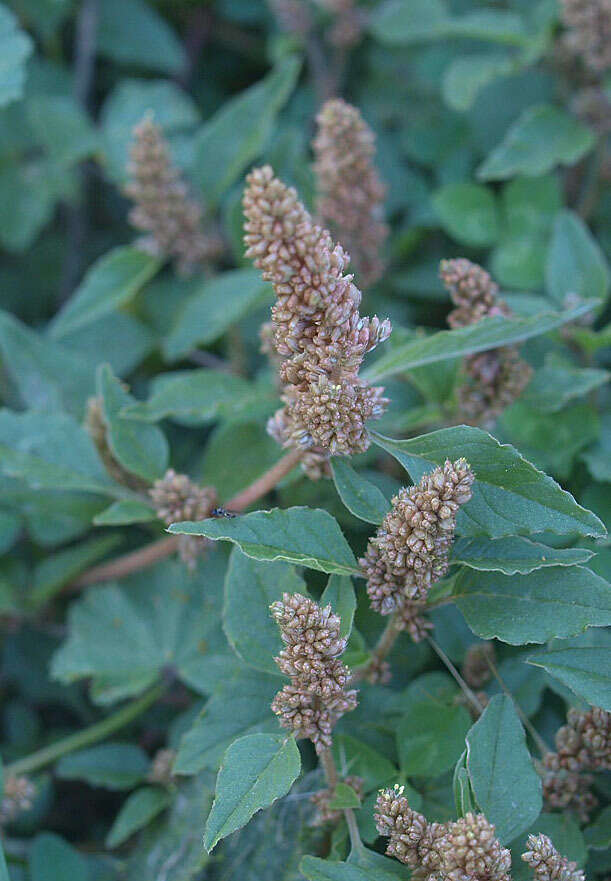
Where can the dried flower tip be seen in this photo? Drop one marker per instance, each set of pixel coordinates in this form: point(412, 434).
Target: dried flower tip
point(163, 208)
point(350, 192)
point(324, 813)
point(176, 498)
point(547, 864)
point(17, 798)
point(160, 771)
point(474, 293)
point(410, 550)
point(476, 669)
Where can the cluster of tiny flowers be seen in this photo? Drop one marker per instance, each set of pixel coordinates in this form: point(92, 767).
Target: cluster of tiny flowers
point(318, 331)
point(547, 864)
point(350, 192)
point(461, 850)
point(476, 669)
point(177, 498)
point(411, 548)
point(97, 429)
point(321, 800)
point(163, 208)
point(316, 696)
point(18, 797)
point(588, 34)
point(494, 378)
point(583, 745)
point(160, 771)
point(593, 106)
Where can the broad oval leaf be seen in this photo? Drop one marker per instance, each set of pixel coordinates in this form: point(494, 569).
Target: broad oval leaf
point(431, 737)
point(216, 305)
point(409, 21)
point(362, 869)
point(468, 213)
point(541, 138)
point(501, 770)
point(138, 810)
point(490, 333)
point(359, 495)
point(307, 536)
point(110, 765)
point(124, 512)
point(339, 593)
point(112, 281)
point(514, 555)
point(256, 770)
point(585, 670)
point(519, 609)
point(15, 49)
point(510, 495)
point(53, 859)
point(132, 32)
point(575, 264)
point(250, 588)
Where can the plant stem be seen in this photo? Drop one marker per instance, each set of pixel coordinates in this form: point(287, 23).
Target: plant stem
point(87, 736)
point(541, 744)
point(330, 769)
point(382, 649)
point(469, 694)
point(144, 557)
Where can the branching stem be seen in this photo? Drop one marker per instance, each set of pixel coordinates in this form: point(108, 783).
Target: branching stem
point(382, 649)
point(542, 746)
point(330, 769)
point(468, 692)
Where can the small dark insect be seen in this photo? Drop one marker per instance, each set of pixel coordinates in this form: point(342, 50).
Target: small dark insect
point(222, 512)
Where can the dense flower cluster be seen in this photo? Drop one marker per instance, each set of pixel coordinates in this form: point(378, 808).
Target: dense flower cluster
point(17, 797)
point(583, 745)
point(316, 696)
point(463, 850)
point(97, 428)
point(411, 548)
point(318, 330)
point(163, 208)
point(588, 34)
point(177, 498)
point(322, 799)
point(494, 378)
point(547, 864)
point(350, 191)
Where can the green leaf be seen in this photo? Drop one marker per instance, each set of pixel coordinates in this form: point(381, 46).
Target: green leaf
point(125, 512)
point(138, 810)
point(47, 375)
point(358, 494)
point(216, 305)
point(15, 49)
point(586, 671)
point(204, 395)
point(464, 798)
point(316, 869)
point(344, 797)
point(62, 127)
point(123, 637)
point(140, 448)
point(353, 756)
point(558, 383)
point(541, 138)
point(53, 859)
point(409, 21)
point(431, 737)
point(236, 455)
point(339, 593)
point(256, 770)
point(467, 75)
point(52, 451)
point(56, 570)
point(238, 132)
point(490, 333)
point(509, 495)
point(173, 109)
point(514, 555)
point(501, 771)
point(250, 588)
point(132, 32)
point(533, 608)
point(307, 536)
point(598, 834)
point(249, 694)
point(110, 765)
point(467, 213)
point(112, 281)
point(118, 339)
point(575, 265)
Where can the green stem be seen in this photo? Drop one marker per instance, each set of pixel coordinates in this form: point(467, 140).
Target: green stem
point(469, 694)
point(90, 735)
point(541, 744)
point(330, 769)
